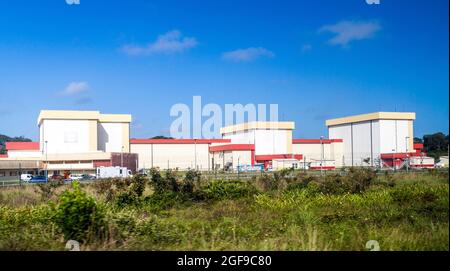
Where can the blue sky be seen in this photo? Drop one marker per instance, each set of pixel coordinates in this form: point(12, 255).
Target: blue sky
point(315, 59)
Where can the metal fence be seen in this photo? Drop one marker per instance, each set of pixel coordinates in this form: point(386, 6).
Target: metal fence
point(244, 176)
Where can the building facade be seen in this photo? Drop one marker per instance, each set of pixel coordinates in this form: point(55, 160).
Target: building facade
point(81, 141)
point(72, 142)
point(368, 137)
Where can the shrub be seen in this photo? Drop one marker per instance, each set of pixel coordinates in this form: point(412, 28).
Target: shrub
point(102, 186)
point(191, 178)
point(282, 174)
point(332, 184)
point(163, 200)
point(126, 198)
point(138, 185)
point(302, 180)
point(157, 181)
point(356, 181)
point(359, 179)
point(219, 190)
point(266, 182)
point(172, 180)
point(77, 213)
point(413, 194)
point(45, 190)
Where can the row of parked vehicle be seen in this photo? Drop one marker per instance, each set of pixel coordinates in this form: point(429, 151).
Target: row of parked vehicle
point(42, 179)
point(101, 173)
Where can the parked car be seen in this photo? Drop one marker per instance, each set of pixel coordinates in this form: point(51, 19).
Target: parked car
point(38, 179)
point(26, 177)
point(56, 177)
point(86, 177)
point(75, 177)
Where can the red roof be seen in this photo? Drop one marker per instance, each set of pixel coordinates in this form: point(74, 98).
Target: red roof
point(232, 147)
point(418, 146)
point(399, 155)
point(3, 155)
point(268, 157)
point(178, 141)
point(21, 146)
point(315, 141)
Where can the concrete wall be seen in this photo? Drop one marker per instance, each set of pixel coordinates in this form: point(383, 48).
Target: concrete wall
point(270, 141)
point(368, 139)
point(393, 135)
point(110, 137)
point(66, 136)
point(241, 158)
point(24, 153)
point(313, 151)
point(343, 132)
point(182, 156)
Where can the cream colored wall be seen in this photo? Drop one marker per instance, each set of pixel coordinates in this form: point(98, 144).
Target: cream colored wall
point(313, 151)
point(180, 156)
point(66, 136)
point(112, 136)
point(93, 135)
point(372, 116)
point(126, 136)
point(218, 159)
point(25, 153)
point(337, 153)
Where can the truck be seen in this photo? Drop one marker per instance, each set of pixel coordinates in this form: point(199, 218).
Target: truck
point(113, 172)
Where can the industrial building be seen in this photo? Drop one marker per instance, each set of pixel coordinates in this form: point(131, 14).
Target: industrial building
point(81, 141)
point(369, 136)
point(72, 142)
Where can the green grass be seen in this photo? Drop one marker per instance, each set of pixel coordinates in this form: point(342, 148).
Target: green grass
point(401, 211)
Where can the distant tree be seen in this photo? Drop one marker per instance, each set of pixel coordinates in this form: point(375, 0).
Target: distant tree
point(435, 144)
point(161, 137)
point(418, 140)
point(4, 138)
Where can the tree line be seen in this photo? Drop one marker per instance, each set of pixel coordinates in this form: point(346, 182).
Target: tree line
point(435, 145)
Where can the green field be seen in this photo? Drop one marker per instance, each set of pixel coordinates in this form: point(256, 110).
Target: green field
point(186, 211)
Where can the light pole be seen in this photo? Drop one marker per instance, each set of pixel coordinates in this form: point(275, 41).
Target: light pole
point(46, 161)
point(321, 155)
point(407, 157)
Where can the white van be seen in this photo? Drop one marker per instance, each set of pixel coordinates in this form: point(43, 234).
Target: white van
point(26, 177)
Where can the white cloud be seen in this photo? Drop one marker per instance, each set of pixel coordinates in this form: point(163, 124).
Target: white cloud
point(74, 88)
point(248, 54)
point(347, 31)
point(168, 43)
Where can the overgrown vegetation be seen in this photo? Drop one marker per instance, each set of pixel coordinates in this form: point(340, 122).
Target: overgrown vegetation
point(289, 210)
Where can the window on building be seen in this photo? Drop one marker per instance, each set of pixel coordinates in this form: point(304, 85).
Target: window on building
point(71, 137)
